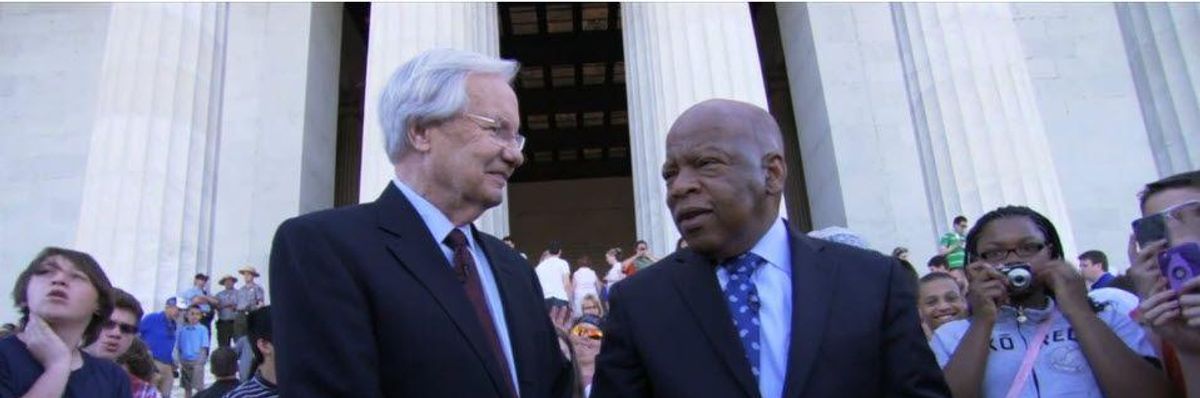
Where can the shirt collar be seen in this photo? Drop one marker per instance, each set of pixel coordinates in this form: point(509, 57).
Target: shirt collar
point(1036, 315)
point(263, 380)
point(439, 225)
point(774, 247)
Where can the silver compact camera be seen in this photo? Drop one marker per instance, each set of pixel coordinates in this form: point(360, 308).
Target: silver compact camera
point(1020, 277)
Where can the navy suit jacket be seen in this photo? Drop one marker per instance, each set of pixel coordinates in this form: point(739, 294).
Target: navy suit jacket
point(366, 305)
point(855, 331)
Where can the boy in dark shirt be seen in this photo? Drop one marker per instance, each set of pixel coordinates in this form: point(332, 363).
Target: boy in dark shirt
point(64, 297)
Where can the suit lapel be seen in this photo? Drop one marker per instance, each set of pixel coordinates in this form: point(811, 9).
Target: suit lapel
point(520, 329)
point(409, 241)
point(813, 276)
point(696, 281)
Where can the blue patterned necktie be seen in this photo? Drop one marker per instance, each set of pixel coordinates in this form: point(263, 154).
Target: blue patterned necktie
point(742, 297)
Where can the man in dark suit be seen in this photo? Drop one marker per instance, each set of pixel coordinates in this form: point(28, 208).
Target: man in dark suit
point(403, 297)
point(752, 307)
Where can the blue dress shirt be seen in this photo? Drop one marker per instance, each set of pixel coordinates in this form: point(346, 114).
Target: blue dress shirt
point(774, 283)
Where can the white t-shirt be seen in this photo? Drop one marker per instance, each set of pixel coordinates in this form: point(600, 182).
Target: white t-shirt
point(550, 274)
point(615, 274)
point(585, 282)
point(1110, 294)
point(1061, 369)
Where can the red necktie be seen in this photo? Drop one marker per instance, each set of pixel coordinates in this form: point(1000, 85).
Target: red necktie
point(464, 267)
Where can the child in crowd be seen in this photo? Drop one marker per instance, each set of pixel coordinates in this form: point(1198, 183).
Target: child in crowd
point(64, 298)
point(193, 346)
point(940, 300)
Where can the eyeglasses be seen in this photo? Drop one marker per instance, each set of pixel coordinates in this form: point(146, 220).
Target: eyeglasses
point(1178, 211)
point(589, 332)
point(1024, 250)
point(511, 139)
point(125, 327)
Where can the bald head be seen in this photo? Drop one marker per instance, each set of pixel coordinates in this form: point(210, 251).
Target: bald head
point(738, 120)
point(725, 173)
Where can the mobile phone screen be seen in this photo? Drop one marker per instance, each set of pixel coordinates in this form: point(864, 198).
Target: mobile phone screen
point(1149, 229)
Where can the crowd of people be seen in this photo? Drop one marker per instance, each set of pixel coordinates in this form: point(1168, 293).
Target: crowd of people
point(80, 336)
point(404, 297)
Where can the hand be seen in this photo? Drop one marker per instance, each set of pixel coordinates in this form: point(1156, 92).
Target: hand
point(45, 345)
point(986, 290)
point(560, 316)
point(1144, 270)
point(1166, 312)
point(1065, 282)
point(1189, 302)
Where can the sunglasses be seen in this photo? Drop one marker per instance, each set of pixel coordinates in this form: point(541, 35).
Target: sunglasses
point(589, 332)
point(125, 327)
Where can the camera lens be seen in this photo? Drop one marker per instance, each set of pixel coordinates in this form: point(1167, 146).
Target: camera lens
point(1019, 278)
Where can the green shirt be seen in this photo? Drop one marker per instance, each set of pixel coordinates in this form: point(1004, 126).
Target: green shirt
point(642, 262)
point(956, 256)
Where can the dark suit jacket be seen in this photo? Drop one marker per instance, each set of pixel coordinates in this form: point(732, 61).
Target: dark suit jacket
point(854, 331)
point(366, 305)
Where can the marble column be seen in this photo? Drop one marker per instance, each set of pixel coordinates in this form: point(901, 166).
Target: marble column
point(278, 127)
point(912, 114)
point(400, 31)
point(151, 171)
point(676, 55)
point(979, 133)
point(860, 162)
point(1164, 55)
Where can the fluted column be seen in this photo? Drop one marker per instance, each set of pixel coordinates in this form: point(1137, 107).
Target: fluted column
point(979, 133)
point(1164, 55)
point(400, 31)
point(676, 55)
point(151, 170)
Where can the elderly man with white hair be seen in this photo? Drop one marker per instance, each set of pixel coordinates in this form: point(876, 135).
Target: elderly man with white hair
point(403, 297)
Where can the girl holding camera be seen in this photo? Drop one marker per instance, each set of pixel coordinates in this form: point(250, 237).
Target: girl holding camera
point(1032, 330)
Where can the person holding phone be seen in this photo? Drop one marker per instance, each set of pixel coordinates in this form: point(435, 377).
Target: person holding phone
point(1032, 330)
point(1163, 252)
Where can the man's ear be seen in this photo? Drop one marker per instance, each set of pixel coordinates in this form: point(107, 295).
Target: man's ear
point(775, 173)
point(419, 137)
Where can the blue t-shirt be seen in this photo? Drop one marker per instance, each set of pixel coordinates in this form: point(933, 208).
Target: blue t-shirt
point(1060, 369)
point(190, 294)
point(193, 341)
point(158, 333)
point(98, 378)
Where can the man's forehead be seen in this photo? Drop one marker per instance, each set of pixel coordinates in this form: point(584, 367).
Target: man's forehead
point(705, 139)
point(1164, 199)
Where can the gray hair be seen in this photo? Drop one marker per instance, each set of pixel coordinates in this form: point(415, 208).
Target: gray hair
point(429, 89)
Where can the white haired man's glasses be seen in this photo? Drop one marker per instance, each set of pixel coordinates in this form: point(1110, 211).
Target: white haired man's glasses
point(496, 129)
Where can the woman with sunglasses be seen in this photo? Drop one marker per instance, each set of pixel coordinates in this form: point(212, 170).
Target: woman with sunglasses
point(64, 298)
point(1032, 330)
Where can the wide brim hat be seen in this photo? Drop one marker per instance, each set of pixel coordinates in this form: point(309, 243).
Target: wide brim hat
point(223, 278)
point(248, 270)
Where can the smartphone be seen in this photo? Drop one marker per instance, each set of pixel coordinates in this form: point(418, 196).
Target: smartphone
point(1149, 229)
point(1180, 264)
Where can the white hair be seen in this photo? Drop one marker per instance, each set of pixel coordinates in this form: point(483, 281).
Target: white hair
point(429, 89)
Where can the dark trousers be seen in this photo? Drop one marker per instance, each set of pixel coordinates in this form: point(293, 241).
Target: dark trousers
point(225, 333)
point(206, 320)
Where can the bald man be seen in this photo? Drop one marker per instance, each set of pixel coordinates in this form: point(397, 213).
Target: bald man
point(752, 307)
